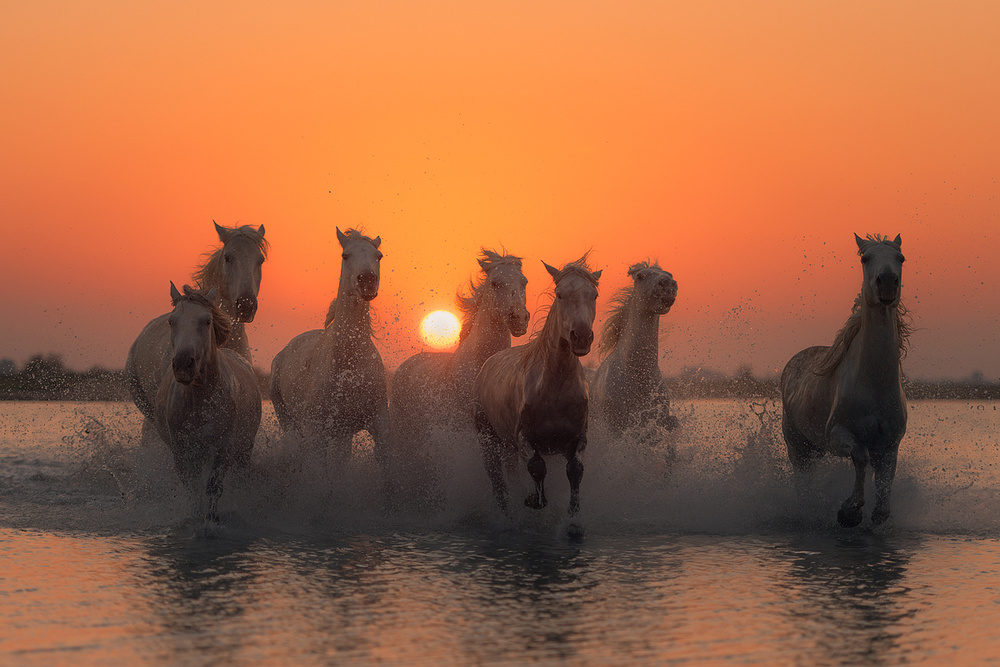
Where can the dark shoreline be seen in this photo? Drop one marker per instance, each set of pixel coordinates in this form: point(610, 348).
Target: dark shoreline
point(105, 385)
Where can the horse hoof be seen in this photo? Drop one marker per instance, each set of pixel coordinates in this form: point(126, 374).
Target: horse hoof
point(534, 502)
point(574, 530)
point(849, 517)
point(880, 515)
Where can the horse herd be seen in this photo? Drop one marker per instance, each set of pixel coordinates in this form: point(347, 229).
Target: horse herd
point(189, 374)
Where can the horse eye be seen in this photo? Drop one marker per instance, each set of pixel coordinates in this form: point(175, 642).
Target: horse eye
point(495, 284)
point(344, 257)
point(641, 276)
point(229, 259)
point(379, 256)
point(864, 259)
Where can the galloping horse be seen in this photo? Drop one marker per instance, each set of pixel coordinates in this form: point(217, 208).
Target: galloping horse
point(234, 271)
point(628, 388)
point(208, 408)
point(432, 387)
point(847, 399)
point(532, 399)
point(330, 383)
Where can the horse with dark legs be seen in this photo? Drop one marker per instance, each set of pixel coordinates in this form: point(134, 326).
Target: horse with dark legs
point(432, 389)
point(532, 400)
point(208, 407)
point(628, 389)
point(234, 271)
point(847, 399)
point(329, 384)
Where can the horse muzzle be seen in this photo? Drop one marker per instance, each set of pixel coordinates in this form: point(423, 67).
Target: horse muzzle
point(887, 289)
point(580, 341)
point(246, 308)
point(517, 322)
point(368, 286)
point(185, 369)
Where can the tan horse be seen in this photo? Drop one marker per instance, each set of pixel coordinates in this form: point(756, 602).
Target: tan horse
point(628, 388)
point(329, 384)
point(432, 389)
point(234, 271)
point(847, 399)
point(207, 409)
point(532, 400)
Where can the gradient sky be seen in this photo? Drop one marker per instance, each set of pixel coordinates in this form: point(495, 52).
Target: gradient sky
point(741, 144)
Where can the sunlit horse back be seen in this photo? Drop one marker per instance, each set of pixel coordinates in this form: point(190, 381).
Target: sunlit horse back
point(532, 400)
point(208, 407)
point(847, 399)
point(234, 271)
point(329, 384)
point(432, 389)
point(628, 388)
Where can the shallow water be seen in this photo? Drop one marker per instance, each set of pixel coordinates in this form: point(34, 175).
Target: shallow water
point(696, 549)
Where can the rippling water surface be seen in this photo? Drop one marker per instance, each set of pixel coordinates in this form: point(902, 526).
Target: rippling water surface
point(698, 549)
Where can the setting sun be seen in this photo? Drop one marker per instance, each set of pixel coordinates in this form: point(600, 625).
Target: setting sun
point(440, 329)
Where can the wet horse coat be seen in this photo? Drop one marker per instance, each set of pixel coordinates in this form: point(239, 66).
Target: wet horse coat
point(434, 388)
point(532, 400)
point(208, 407)
point(234, 271)
point(628, 387)
point(847, 399)
point(329, 384)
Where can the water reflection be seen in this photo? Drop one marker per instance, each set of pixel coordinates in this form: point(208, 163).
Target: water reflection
point(848, 596)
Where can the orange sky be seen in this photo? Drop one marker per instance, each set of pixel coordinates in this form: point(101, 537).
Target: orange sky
point(741, 144)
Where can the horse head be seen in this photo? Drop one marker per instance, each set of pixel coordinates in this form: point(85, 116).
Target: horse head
point(655, 288)
point(197, 327)
point(359, 270)
point(882, 267)
point(505, 290)
point(575, 306)
point(242, 255)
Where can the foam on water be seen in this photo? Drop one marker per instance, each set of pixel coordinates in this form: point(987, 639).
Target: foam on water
point(723, 471)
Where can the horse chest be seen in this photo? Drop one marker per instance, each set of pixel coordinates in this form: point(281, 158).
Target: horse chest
point(550, 423)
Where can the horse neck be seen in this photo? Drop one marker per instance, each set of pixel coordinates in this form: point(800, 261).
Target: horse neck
point(351, 327)
point(876, 346)
point(558, 358)
point(488, 334)
point(639, 341)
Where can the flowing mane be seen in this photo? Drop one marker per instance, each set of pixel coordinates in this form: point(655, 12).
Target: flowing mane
point(468, 305)
point(621, 301)
point(221, 322)
point(207, 274)
point(842, 341)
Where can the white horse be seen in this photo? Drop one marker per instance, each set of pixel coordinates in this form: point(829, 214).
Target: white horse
point(532, 399)
point(847, 399)
point(628, 389)
point(329, 384)
point(208, 408)
point(234, 271)
point(432, 389)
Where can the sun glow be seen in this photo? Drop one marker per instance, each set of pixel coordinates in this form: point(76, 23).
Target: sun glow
point(440, 329)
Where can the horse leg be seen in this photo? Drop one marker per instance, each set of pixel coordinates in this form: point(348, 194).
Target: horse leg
point(842, 441)
point(574, 471)
point(536, 466)
point(885, 470)
point(214, 490)
point(490, 444)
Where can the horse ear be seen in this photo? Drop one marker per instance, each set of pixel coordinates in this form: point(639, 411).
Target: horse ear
point(213, 294)
point(174, 294)
point(860, 241)
point(260, 230)
point(377, 241)
point(898, 241)
point(597, 274)
point(221, 231)
point(553, 271)
point(341, 237)
point(484, 263)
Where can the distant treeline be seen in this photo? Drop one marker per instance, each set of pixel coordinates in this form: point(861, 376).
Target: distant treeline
point(45, 378)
